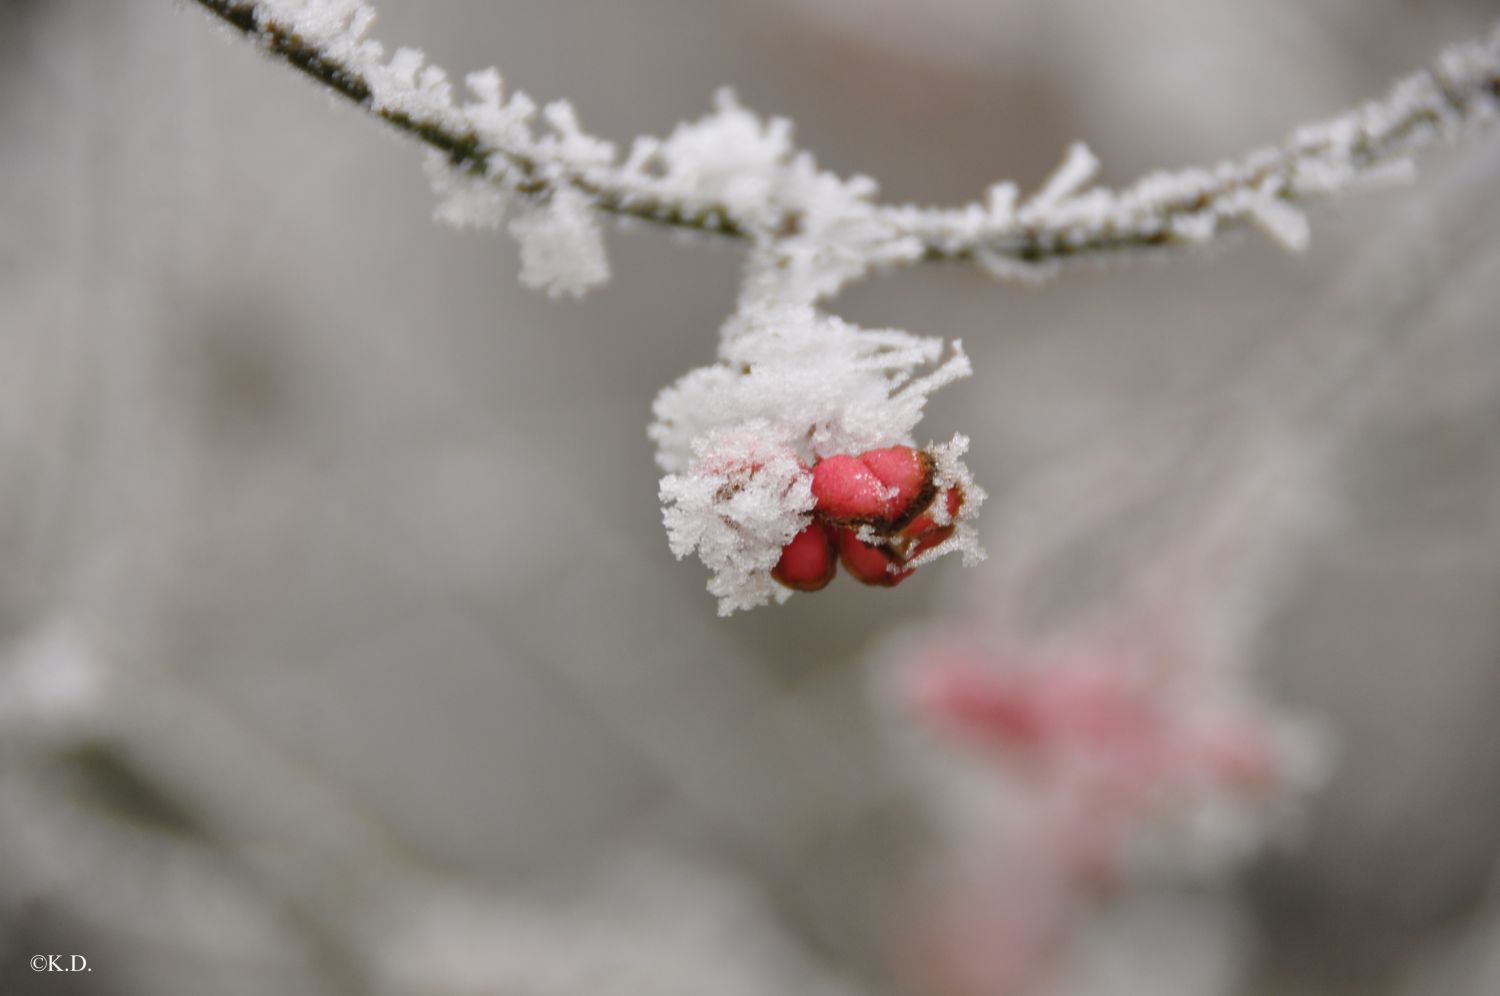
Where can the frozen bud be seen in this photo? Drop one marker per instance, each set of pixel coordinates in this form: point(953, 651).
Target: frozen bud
point(807, 562)
point(870, 564)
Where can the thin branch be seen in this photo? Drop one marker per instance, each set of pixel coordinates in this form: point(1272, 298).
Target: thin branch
point(1365, 146)
point(463, 148)
point(1264, 187)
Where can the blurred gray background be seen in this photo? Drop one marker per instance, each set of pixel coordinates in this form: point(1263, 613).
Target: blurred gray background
point(353, 542)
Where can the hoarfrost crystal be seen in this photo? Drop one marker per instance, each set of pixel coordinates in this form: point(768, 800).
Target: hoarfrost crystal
point(562, 248)
point(826, 385)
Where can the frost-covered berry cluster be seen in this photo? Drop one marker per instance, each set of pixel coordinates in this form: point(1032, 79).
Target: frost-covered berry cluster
point(882, 513)
point(888, 511)
point(795, 388)
point(797, 446)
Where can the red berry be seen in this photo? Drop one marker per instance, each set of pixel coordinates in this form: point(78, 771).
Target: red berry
point(848, 491)
point(878, 487)
point(869, 563)
point(905, 470)
point(807, 562)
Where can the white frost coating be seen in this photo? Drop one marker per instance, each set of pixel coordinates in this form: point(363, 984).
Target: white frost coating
point(562, 248)
point(826, 386)
point(1078, 169)
point(744, 495)
point(731, 157)
point(1285, 223)
point(464, 201)
point(949, 472)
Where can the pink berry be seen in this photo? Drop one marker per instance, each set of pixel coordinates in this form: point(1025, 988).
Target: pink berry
point(903, 469)
point(868, 564)
point(807, 562)
point(966, 695)
point(848, 491)
point(879, 487)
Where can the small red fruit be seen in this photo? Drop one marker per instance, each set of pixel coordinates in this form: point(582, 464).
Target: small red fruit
point(869, 564)
point(889, 491)
point(807, 562)
point(878, 487)
point(906, 471)
point(848, 491)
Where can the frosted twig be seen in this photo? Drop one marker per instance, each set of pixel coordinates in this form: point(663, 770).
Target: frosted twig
point(1369, 145)
point(772, 193)
point(340, 57)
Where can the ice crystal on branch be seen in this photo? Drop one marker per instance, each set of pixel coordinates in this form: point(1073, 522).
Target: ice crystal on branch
point(730, 157)
point(464, 200)
point(562, 248)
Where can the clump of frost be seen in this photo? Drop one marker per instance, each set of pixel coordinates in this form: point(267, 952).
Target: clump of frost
point(950, 472)
point(1075, 173)
point(498, 122)
point(815, 230)
point(562, 248)
point(731, 157)
point(742, 498)
point(839, 238)
point(464, 200)
point(825, 385)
